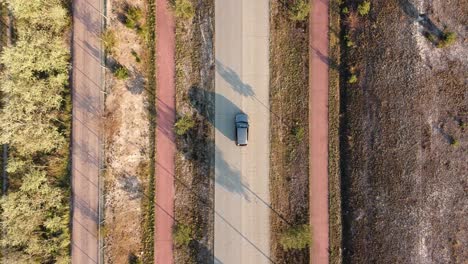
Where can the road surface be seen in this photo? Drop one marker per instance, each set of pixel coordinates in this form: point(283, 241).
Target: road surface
point(318, 125)
point(242, 173)
point(165, 139)
point(87, 76)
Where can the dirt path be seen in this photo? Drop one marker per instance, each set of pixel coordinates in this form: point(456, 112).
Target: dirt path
point(87, 76)
point(318, 125)
point(165, 139)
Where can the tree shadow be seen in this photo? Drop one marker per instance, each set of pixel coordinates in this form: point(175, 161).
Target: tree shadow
point(430, 30)
point(231, 77)
point(206, 109)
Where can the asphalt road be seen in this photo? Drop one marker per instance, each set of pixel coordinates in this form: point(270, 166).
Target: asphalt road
point(242, 173)
point(87, 75)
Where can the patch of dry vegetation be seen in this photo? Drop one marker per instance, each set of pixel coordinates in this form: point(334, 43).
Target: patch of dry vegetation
point(289, 157)
point(333, 133)
point(403, 180)
point(128, 146)
point(194, 187)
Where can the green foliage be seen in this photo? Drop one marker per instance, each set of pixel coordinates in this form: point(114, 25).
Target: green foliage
point(121, 73)
point(33, 120)
point(109, 41)
point(182, 235)
point(349, 42)
point(39, 15)
point(35, 219)
point(352, 79)
point(184, 9)
point(135, 55)
point(184, 124)
point(448, 38)
point(364, 8)
point(345, 10)
point(300, 10)
point(455, 143)
point(298, 132)
point(295, 237)
point(134, 15)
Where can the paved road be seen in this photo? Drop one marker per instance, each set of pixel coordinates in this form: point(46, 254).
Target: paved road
point(318, 125)
point(242, 173)
point(87, 109)
point(165, 144)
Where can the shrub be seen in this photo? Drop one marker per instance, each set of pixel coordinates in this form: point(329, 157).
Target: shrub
point(299, 132)
point(364, 8)
point(349, 42)
point(352, 79)
point(299, 11)
point(295, 237)
point(183, 125)
point(108, 40)
point(134, 15)
point(135, 55)
point(447, 39)
point(345, 10)
point(121, 73)
point(455, 143)
point(182, 235)
point(184, 9)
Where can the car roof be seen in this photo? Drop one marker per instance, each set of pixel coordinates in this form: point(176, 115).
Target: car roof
point(242, 135)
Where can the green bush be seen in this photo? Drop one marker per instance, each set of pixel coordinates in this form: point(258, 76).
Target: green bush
point(109, 41)
point(182, 235)
point(455, 143)
point(134, 15)
point(364, 8)
point(183, 125)
point(295, 237)
point(184, 9)
point(345, 10)
point(352, 79)
point(121, 73)
point(299, 11)
point(448, 38)
point(135, 55)
point(299, 132)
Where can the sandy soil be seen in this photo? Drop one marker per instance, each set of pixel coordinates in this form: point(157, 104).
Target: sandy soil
point(404, 137)
point(127, 145)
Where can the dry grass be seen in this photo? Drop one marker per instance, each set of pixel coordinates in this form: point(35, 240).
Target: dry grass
point(289, 157)
point(195, 149)
point(403, 182)
point(128, 175)
point(333, 135)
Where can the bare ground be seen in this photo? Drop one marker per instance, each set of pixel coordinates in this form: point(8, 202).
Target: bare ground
point(289, 158)
point(127, 144)
point(194, 191)
point(404, 136)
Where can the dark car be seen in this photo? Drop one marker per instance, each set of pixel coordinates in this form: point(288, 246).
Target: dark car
point(242, 129)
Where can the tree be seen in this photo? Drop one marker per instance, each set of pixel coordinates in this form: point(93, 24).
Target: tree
point(36, 218)
point(295, 237)
point(364, 8)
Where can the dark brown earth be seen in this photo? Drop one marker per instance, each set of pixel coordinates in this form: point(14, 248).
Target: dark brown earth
point(404, 137)
point(194, 172)
point(289, 131)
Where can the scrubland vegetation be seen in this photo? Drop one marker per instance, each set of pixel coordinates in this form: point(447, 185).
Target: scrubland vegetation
point(35, 123)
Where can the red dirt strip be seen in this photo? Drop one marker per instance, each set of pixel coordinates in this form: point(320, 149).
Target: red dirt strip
point(165, 139)
point(318, 130)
